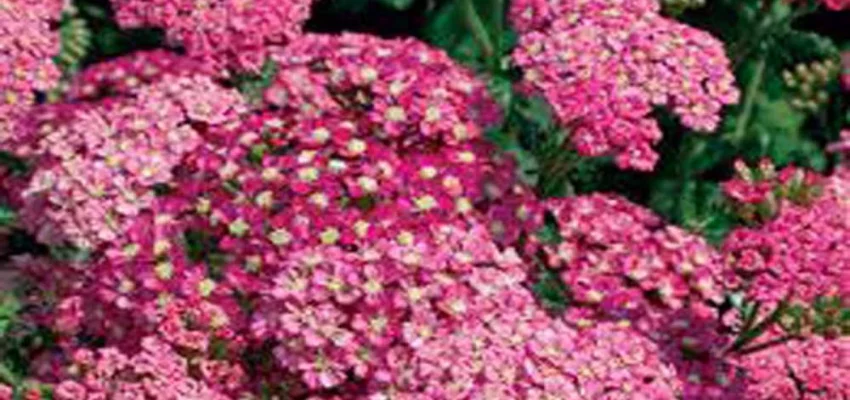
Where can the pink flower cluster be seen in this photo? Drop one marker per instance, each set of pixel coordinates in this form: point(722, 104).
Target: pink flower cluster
point(757, 194)
point(816, 368)
point(696, 345)
point(156, 371)
point(99, 162)
point(225, 34)
point(349, 232)
point(603, 65)
point(27, 45)
point(124, 75)
point(617, 255)
point(507, 348)
point(400, 89)
point(799, 255)
point(837, 5)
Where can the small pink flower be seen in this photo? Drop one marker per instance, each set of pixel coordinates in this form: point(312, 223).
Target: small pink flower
point(69, 390)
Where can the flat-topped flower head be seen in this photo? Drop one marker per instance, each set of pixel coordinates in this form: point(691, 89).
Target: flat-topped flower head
point(507, 348)
point(602, 65)
point(400, 90)
point(227, 35)
point(126, 74)
point(28, 44)
point(623, 258)
point(98, 163)
point(157, 370)
point(797, 255)
point(816, 368)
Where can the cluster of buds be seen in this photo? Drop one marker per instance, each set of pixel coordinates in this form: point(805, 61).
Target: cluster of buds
point(757, 193)
point(827, 316)
point(810, 83)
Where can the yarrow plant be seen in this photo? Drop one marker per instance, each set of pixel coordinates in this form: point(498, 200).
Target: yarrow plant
point(603, 65)
point(757, 194)
point(248, 210)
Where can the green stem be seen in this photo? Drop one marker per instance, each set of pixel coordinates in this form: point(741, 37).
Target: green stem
point(766, 28)
point(479, 30)
point(497, 10)
point(767, 345)
point(740, 50)
point(749, 335)
point(743, 122)
point(7, 376)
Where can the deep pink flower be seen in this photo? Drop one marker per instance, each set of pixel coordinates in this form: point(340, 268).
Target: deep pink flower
point(27, 46)
point(405, 90)
point(799, 253)
point(811, 369)
point(225, 34)
point(6, 392)
point(98, 162)
point(613, 254)
point(603, 65)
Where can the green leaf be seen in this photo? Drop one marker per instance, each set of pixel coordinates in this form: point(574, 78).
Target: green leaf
point(471, 31)
point(16, 165)
point(70, 254)
point(501, 89)
point(549, 233)
point(253, 85)
point(76, 40)
point(551, 291)
point(527, 166)
point(7, 216)
point(7, 376)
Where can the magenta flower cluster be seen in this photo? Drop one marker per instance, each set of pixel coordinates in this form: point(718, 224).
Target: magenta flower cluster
point(798, 255)
point(405, 89)
point(615, 254)
point(27, 45)
point(602, 65)
point(156, 371)
point(224, 34)
point(99, 161)
point(788, 370)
